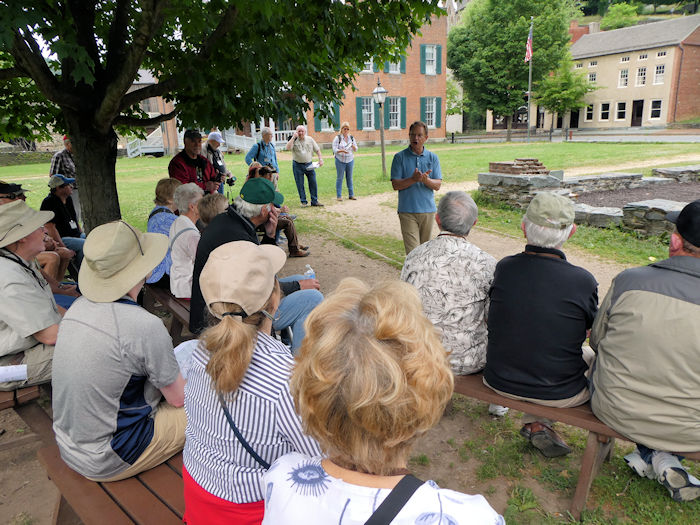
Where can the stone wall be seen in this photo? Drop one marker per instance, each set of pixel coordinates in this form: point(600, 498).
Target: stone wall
point(649, 217)
point(16, 158)
point(680, 174)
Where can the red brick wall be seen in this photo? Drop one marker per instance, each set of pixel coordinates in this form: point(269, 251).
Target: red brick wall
point(685, 90)
point(412, 85)
point(576, 31)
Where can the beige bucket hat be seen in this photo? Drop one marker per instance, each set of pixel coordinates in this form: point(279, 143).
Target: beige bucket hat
point(116, 257)
point(242, 273)
point(17, 220)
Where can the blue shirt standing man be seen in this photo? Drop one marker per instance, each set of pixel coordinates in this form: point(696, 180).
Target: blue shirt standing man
point(416, 175)
point(263, 151)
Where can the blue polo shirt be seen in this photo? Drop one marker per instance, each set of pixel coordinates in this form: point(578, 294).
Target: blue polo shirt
point(265, 155)
point(417, 198)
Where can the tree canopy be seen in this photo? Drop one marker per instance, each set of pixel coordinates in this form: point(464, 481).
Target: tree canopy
point(618, 16)
point(69, 65)
point(486, 52)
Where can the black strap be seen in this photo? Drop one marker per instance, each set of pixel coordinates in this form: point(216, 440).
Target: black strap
point(257, 156)
point(159, 210)
point(264, 464)
point(395, 501)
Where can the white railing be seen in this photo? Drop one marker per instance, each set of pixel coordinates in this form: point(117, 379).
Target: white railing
point(152, 145)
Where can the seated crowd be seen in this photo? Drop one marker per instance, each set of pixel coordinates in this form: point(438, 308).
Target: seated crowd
point(298, 433)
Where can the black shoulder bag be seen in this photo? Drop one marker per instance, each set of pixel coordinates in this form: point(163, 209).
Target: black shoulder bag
point(264, 464)
point(395, 501)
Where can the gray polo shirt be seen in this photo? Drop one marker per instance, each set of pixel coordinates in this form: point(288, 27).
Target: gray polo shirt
point(110, 361)
point(27, 304)
point(303, 150)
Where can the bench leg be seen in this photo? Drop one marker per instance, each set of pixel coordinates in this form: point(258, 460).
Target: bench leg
point(176, 331)
point(37, 420)
point(63, 513)
point(598, 449)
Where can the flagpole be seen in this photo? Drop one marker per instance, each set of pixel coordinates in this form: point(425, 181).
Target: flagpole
point(529, 86)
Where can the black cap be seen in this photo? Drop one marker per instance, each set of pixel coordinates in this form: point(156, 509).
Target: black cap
point(8, 188)
point(687, 222)
point(193, 134)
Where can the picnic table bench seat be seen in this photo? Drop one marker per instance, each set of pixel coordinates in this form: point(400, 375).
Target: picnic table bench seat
point(154, 497)
point(601, 438)
point(24, 402)
point(179, 308)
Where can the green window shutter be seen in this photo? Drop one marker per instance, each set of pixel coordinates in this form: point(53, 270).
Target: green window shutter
point(317, 119)
point(422, 108)
point(403, 65)
point(387, 123)
point(377, 116)
point(336, 115)
point(422, 59)
point(386, 66)
point(375, 66)
point(403, 112)
point(438, 111)
point(438, 60)
point(358, 109)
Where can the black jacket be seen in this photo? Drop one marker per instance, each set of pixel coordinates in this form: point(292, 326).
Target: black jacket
point(224, 228)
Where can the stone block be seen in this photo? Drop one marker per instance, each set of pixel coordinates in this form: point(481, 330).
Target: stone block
point(679, 173)
point(558, 174)
point(649, 217)
point(600, 217)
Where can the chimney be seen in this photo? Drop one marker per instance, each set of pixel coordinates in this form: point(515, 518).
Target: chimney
point(594, 27)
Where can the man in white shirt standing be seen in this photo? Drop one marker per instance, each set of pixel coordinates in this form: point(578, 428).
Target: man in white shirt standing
point(303, 148)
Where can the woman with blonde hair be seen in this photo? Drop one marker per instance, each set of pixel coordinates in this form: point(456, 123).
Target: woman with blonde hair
point(240, 414)
point(371, 377)
point(344, 148)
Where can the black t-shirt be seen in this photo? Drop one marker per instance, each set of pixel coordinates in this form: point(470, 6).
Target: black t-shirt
point(65, 219)
point(540, 310)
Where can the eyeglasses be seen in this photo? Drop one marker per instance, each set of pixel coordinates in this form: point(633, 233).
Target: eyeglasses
point(138, 240)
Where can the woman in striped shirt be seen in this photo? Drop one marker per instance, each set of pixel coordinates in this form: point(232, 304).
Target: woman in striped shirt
point(237, 360)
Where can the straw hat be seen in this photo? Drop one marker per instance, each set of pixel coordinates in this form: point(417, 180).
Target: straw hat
point(242, 273)
point(116, 257)
point(17, 220)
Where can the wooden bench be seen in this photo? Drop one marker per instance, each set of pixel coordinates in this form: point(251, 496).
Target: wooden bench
point(24, 403)
point(601, 438)
point(179, 309)
point(152, 497)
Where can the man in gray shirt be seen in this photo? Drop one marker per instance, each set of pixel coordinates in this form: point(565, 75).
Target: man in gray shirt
point(114, 362)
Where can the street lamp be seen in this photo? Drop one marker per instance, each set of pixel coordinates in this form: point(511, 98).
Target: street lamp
point(379, 95)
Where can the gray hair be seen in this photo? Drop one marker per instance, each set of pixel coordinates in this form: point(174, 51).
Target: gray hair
point(185, 195)
point(301, 126)
point(544, 237)
point(247, 209)
point(265, 130)
point(457, 212)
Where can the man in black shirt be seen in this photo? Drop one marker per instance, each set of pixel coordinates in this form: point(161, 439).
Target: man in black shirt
point(541, 307)
point(63, 228)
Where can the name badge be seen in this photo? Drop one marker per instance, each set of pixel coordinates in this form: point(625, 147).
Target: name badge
point(72, 224)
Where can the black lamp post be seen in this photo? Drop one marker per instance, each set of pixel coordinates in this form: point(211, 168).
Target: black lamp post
point(379, 95)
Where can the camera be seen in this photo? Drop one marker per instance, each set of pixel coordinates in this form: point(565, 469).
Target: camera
point(231, 180)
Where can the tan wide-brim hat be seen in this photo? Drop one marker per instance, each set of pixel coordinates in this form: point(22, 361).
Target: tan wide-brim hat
point(241, 273)
point(17, 220)
point(116, 256)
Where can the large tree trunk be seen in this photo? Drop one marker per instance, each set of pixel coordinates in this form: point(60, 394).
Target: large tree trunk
point(509, 127)
point(551, 127)
point(95, 163)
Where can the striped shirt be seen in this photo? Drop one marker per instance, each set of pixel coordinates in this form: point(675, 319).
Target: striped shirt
point(262, 409)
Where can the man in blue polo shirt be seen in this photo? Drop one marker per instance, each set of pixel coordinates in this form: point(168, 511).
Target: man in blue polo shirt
point(416, 175)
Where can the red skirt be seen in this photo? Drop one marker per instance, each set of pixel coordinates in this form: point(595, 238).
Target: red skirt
point(203, 508)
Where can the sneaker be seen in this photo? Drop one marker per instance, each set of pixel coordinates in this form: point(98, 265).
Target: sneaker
point(353, 198)
point(317, 204)
point(544, 439)
point(671, 474)
point(640, 467)
point(339, 199)
point(304, 204)
point(497, 410)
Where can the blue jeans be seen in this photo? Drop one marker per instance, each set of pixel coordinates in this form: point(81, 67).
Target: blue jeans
point(299, 169)
point(647, 452)
point(75, 244)
point(293, 310)
point(343, 168)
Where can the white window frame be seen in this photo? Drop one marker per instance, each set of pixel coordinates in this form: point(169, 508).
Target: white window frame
point(430, 105)
point(641, 77)
point(368, 66)
point(394, 112)
point(368, 112)
point(600, 115)
point(579, 65)
point(593, 63)
point(643, 56)
point(659, 77)
point(431, 63)
point(652, 109)
point(592, 77)
point(617, 111)
point(591, 108)
point(327, 123)
point(660, 54)
point(623, 79)
point(395, 68)
point(625, 59)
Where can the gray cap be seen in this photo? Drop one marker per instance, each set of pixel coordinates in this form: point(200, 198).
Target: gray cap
point(550, 210)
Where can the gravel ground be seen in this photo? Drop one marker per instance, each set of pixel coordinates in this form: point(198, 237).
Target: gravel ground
point(681, 192)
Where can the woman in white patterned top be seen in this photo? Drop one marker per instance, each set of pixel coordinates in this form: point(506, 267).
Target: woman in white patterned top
point(371, 376)
point(344, 148)
point(239, 366)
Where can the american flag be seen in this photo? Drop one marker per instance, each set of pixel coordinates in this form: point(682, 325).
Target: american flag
point(528, 46)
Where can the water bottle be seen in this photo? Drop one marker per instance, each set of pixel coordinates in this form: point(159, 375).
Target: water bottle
point(309, 273)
